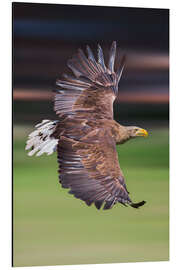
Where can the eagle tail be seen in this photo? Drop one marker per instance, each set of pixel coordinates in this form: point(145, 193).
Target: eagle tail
point(41, 140)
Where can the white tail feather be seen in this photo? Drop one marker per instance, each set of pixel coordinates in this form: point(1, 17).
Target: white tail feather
point(40, 139)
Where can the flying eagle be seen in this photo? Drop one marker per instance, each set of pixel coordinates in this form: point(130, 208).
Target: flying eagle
point(85, 136)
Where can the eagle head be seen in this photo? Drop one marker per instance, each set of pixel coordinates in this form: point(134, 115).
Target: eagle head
point(134, 131)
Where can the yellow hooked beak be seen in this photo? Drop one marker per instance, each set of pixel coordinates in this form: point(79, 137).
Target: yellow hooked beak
point(142, 132)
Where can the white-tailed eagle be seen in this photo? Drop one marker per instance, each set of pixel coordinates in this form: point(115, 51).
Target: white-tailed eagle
point(85, 136)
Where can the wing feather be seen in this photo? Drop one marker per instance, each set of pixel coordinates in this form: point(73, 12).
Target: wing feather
point(101, 58)
point(91, 170)
point(90, 54)
point(92, 82)
point(112, 56)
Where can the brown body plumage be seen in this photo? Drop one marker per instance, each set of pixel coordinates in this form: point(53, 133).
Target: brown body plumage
point(86, 135)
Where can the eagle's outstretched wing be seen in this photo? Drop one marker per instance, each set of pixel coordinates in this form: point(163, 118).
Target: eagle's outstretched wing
point(92, 91)
point(90, 169)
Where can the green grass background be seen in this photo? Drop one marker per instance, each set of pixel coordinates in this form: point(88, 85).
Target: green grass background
point(51, 227)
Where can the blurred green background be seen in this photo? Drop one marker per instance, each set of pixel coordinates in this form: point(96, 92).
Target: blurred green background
point(52, 227)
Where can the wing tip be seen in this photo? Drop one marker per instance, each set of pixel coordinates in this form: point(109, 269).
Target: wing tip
point(87, 66)
point(137, 205)
point(98, 204)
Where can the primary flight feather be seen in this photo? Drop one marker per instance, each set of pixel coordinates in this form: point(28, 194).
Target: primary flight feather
point(85, 136)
